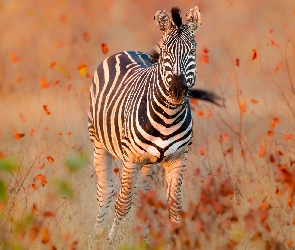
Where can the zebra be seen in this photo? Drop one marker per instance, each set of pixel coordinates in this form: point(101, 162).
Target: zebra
point(140, 113)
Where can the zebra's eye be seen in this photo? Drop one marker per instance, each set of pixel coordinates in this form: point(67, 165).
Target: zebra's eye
point(193, 51)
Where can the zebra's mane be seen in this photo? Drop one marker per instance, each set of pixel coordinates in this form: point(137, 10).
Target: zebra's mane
point(176, 16)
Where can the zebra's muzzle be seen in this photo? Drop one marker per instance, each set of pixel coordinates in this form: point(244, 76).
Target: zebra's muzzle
point(178, 87)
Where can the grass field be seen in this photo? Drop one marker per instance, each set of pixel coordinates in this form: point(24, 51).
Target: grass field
point(240, 181)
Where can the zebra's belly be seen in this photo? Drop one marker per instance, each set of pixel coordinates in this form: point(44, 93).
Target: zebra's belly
point(157, 151)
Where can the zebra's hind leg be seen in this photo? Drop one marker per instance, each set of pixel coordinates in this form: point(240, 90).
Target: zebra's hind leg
point(124, 200)
point(105, 186)
point(174, 174)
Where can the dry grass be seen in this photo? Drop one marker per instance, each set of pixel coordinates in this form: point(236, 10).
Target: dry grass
point(250, 148)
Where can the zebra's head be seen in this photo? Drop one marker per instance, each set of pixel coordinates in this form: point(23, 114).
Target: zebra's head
point(177, 49)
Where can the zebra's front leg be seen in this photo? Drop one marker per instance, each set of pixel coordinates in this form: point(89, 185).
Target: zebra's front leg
point(105, 186)
point(124, 200)
point(174, 174)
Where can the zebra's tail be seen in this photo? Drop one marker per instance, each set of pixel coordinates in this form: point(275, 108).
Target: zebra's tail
point(206, 96)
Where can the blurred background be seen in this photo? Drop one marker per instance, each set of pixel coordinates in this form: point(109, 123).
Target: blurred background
point(49, 51)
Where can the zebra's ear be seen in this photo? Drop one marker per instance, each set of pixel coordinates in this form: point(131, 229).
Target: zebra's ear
point(193, 19)
point(163, 20)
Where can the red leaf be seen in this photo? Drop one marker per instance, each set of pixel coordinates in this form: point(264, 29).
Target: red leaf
point(280, 153)
point(288, 137)
point(17, 136)
point(32, 131)
point(86, 36)
point(50, 159)
point(237, 62)
point(269, 132)
point(46, 110)
point(205, 50)
point(49, 214)
point(227, 188)
point(254, 101)
point(254, 56)
point(194, 101)
point(116, 170)
point(206, 59)
point(104, 48)
point(13, 57)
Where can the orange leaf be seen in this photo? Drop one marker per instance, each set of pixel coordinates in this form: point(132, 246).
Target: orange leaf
point(55, 83)
point(17, 136)
point(104, 48)
point(194, 101)
point(277, 67)
point(227, 188)
point(206, 59)
point(46, 109)
point(237, 61)
point(13, 57)
point(34, 207)
point(269, 132)
point(32, 131)
point(261, 151)
point(41, 178)
point(49, 214)
point(200, 113)
point(82, 69)
point(243, 107)
point(44, 84)
point(202, 151)
point(254, 56)
point(34, 186)
point(243, 154)
point(205, 50)
point(45, 236)
point(193, 108)
point(21, 116)
point(52, 64)
point(116, 170)
point(60, 133)
point(86, 36)
point(288, 137)
point(280, 153)
point(69, 133)
point(33, 233)
point(50, 159)
point(2, 155)
point(254, 101)
point(276, 119)
point(41, 166)
point(273, 124)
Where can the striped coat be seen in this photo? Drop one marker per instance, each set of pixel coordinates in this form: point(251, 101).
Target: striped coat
point(140, 113)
